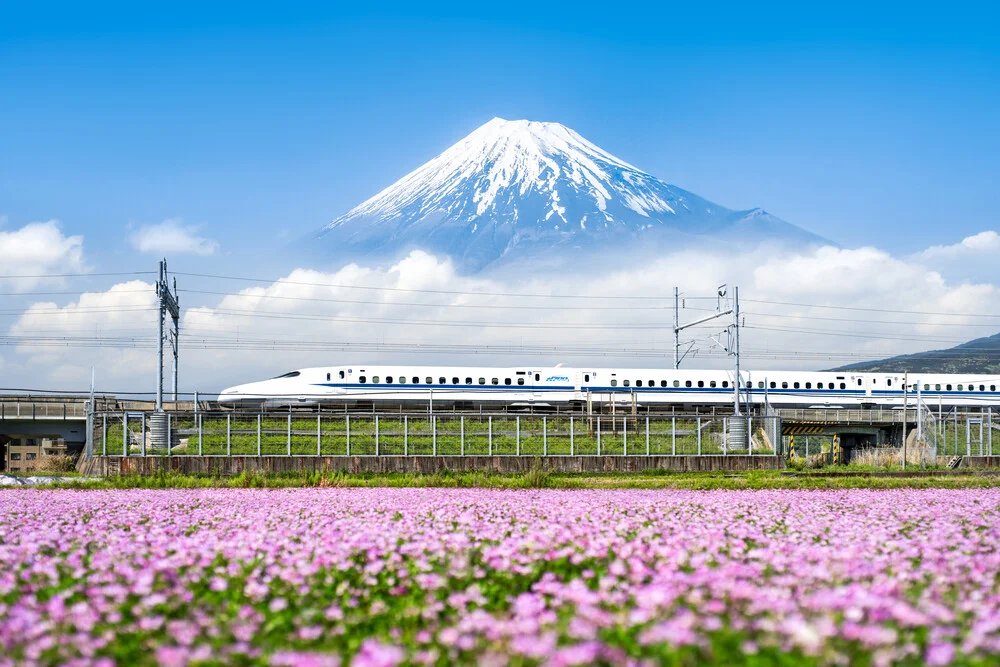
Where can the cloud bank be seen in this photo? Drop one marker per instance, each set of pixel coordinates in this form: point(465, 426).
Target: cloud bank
point(37, 249)
point(172, 237)
point(808, 309)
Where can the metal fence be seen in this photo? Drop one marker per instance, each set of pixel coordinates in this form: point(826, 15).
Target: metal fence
point(298, 434)
point(960, 431)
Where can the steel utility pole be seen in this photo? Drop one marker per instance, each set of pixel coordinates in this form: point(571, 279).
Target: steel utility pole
point(736, 334)
point(168, 302)
point(678, 358)
point(906, 387)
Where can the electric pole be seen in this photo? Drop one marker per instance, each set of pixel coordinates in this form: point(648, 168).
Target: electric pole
point(168, 302)
point(736, 336)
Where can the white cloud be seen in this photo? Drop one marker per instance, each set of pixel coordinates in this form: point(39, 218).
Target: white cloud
point(247, 335)
point(974, 258)
point(172, 236)
point(38, 248)
point(983, 243)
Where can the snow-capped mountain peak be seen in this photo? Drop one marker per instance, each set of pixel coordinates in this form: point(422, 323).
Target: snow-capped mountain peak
point(515, 184)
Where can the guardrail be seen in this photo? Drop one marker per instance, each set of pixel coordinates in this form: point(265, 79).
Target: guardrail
point(43, 410)
point(398, 434)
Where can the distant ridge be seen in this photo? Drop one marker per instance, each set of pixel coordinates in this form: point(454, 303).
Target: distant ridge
point(521, 189)
point(977, 356)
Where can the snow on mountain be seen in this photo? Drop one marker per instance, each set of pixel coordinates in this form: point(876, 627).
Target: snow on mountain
point(517, 189)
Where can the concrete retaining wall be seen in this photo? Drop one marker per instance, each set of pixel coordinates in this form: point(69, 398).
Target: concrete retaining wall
point(980, 462)
point(233, 465)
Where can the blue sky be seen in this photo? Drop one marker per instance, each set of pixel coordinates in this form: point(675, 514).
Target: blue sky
point(868, 124)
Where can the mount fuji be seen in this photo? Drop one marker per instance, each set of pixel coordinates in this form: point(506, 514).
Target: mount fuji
point(525, 190)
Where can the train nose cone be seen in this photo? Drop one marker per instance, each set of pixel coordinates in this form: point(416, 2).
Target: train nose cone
point(229, 397)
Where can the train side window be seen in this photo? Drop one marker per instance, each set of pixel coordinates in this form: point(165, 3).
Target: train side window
point(362, 379)
point(496, 381)
point(712, 383)
point(454, 380)
point(993, 387)
point(888, 383)
point(402, 379)
point(482, 380)
point(651, 383)
point(520, 380)
point(506, 380)
point(442, 380)
point(638, 383)
point(687, 383)
point(701, 383)
point(375, 379)
point(388, 379)
point(430, 380)
point(327, 377)
point(625, 383)
point(586, 378)
point(948, 387)
point(341, 375)
point(795, 385)
point(982, 387)
point(961, 387)
point(725, 384)
point(468, 380)
point(843, 386)
point(859, 382)
point(614, 383)
point(760, 385)
point(927, 387)
point(773, 385)
point(416, 380)
point(809, 385)
point(784, 385)
point(677, 383)
point(663, 383)
point(536, 377)
point(937, 387)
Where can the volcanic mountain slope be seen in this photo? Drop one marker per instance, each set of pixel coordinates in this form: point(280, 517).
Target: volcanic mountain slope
point(520, 189)
point(981, 355)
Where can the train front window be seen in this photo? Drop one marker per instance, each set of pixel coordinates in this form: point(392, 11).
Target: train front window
point(292, 374)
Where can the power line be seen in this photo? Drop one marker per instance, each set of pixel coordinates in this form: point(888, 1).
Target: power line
point(282, 281)
point(410, 303)
point(873, 310)
point(76, 275)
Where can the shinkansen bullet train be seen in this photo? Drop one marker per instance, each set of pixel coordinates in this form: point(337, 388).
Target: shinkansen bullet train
point(567, 386)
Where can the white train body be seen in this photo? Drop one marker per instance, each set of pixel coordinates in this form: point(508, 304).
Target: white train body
point(532, 385)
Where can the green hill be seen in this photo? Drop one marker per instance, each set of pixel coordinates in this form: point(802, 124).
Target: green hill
point(978, 356)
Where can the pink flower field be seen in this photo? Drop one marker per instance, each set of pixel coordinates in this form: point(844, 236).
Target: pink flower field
point(390, 576)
